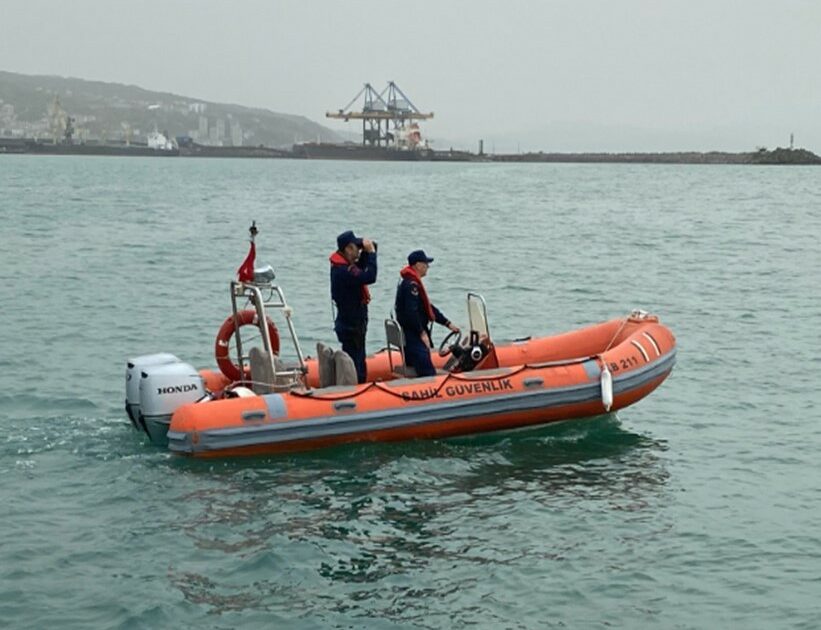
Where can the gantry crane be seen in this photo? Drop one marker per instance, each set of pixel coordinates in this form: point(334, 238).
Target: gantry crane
point(383, 115)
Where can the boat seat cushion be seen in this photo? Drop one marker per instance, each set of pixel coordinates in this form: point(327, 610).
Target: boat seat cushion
point(282, 382)
point(344, 368)
point(325, 363)
point(262, 378)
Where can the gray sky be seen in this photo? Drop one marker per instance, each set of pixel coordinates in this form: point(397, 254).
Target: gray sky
point(561, 75)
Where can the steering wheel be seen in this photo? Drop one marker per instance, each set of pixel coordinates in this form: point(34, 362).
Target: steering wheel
point(445, 347)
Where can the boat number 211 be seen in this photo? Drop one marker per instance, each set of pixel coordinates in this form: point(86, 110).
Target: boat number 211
point(624, 364)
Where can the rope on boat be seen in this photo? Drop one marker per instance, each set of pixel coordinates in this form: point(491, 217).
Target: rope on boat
point(606, 384)
point(427, 396)
point(606, 377)
point(618, 332)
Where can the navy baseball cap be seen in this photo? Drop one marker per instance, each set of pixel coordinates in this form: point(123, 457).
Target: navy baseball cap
point(418, 256)
point(347, 237)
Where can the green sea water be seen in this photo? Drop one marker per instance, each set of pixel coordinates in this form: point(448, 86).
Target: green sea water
point(698, 507)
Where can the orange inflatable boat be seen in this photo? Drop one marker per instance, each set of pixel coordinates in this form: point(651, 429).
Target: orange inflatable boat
point(258, 405)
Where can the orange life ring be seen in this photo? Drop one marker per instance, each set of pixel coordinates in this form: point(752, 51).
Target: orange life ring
point(227, 330)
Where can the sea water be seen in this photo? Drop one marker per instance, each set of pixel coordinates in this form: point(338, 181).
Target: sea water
point(698, 507)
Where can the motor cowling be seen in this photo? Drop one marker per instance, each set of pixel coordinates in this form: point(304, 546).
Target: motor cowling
point(164, 389)
point(133, 371)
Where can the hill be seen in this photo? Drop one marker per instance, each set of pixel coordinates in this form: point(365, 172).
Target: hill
point(113, 111)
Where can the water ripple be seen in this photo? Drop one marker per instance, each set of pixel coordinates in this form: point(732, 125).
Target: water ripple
point(696, 508)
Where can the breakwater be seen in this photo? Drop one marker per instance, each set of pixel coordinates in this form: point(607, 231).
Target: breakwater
point(350, 151)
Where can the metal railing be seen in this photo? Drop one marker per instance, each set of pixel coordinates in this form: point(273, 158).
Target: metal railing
point(253, 293)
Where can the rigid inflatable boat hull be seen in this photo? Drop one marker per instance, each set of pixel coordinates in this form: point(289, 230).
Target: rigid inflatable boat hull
point(443, 406)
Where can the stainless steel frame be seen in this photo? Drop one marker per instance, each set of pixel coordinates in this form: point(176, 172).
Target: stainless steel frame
point(276, 300)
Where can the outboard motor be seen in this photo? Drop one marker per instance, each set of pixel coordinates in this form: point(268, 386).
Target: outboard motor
point(163, 389)
point(133, 370)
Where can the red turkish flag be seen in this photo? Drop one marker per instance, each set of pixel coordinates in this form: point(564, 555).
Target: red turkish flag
point(246, 270)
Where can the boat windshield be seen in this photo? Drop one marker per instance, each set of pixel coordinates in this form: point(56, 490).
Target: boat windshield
point(477, 315)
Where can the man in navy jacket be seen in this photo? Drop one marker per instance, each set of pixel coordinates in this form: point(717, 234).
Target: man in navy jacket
point(416, 314)
point(353, 268)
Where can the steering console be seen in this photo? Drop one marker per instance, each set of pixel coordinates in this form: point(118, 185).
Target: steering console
point(465, 355)
point(444, 348)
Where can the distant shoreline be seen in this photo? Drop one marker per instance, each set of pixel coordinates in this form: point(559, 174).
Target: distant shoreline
point(318, 151)
point(763, 156)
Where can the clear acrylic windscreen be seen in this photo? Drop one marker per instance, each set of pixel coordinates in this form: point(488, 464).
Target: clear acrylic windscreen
point(477, 315)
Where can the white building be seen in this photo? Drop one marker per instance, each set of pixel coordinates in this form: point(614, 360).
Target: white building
point(236, 134)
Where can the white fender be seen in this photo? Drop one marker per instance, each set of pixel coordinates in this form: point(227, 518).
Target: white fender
point(606, 387)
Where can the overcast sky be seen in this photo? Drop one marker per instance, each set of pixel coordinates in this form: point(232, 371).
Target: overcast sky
point(561, 75)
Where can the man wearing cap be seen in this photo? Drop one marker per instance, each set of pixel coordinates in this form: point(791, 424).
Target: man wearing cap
point(353, 268)
point(416, 314)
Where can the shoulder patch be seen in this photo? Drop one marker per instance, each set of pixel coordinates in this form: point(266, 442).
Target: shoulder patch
point(414, 288)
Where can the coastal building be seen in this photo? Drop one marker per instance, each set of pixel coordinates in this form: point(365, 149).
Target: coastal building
point(7, 118)
point(236, 134)
point(213, 139)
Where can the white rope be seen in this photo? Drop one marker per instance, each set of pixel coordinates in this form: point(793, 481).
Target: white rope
point(618, 332)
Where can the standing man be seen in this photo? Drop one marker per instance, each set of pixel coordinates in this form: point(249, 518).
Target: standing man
point(353, 268)
point(416, 314)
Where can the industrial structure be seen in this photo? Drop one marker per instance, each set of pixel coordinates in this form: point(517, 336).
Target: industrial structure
point(389, 118)
point(61, 124)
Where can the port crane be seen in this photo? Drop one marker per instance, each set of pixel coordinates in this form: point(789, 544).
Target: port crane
point(384, 114)
point(60, 123)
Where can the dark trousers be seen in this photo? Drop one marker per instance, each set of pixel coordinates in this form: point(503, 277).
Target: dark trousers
point(417, 355)
point(353, 343)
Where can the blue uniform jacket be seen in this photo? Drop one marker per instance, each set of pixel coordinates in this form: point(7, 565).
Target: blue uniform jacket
point(346, 291)
point(410, 310)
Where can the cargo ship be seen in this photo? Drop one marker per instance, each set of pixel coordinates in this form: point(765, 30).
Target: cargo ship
point(30, 145)
point(352, 151)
